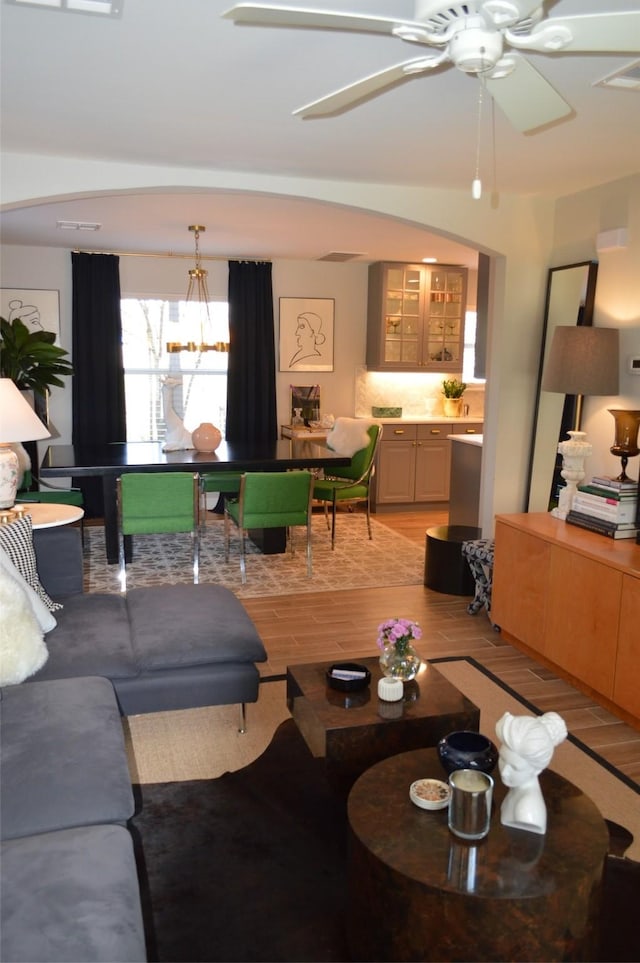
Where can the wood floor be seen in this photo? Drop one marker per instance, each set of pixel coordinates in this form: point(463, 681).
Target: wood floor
point(321, 626)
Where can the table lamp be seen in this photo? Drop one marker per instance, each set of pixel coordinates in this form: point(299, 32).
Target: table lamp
point(18, 422)
point(582, 360)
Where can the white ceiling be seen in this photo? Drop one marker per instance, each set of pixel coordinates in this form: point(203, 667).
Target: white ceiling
point(170, 82)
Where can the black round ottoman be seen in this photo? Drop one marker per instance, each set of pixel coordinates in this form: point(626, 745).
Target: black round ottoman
point(445, 568)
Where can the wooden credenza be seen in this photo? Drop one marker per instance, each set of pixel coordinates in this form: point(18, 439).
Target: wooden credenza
point(572, 599)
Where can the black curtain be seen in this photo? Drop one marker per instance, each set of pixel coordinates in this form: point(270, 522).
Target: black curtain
point(251, 383)
point(98, 380)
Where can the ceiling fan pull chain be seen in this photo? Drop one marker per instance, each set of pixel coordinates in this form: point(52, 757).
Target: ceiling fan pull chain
point(476, 187)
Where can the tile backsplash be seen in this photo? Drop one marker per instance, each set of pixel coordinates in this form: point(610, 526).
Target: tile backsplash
point(419, 395)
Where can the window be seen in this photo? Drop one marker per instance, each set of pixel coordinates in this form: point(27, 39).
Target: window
point(147, 326)
point(469, 350)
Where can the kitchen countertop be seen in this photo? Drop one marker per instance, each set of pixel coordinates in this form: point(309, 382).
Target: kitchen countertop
point(426, 420)
point(467, 439)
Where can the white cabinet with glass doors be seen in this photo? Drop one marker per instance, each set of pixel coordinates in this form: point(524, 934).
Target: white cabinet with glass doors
point(416, 317)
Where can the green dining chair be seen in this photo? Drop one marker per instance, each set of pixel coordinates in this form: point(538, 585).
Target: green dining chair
point(277, 499)
point(152, 503)
point(352, 484)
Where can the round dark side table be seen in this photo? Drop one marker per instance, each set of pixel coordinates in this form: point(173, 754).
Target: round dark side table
point(416, 892)
point(445, 568)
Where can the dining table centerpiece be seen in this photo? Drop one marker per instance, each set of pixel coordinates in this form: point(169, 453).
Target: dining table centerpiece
point(399, 659)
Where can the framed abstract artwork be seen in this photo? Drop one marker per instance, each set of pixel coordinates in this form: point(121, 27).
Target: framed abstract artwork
point(39, 310)
point(306, 334)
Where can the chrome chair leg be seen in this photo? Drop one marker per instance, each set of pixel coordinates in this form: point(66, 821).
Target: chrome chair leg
point(195, 537)
point(243, 564)
point(122, 571)
point(309, 550)
point(243, 718)
point(226, 535)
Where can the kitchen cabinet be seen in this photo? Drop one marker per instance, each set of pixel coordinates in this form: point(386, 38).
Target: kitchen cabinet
point(413, 464)
point(572, 598)
point(415, 318)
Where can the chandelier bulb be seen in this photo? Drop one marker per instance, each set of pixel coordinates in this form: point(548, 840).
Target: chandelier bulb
point(476, 189)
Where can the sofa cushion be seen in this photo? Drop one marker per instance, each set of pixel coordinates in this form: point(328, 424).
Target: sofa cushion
point(22, 647)
point(182, 625)
point(92, 638)
point(70, 897)
point(16, 538)
point(63, 760)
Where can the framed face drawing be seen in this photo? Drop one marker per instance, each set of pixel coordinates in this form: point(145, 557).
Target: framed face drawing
point(306, 334)
point(38, 310)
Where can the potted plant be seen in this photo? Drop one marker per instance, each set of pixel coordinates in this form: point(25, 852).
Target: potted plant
point(453, 390)
point(34, 363)
point(30, 358)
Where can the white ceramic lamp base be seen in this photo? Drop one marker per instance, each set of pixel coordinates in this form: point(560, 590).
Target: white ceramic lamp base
point(9, 471)
point(574, 452)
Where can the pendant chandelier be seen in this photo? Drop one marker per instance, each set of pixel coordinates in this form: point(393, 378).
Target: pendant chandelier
point(198, 293)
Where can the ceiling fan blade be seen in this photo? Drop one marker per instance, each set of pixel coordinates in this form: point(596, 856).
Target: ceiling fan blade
point(617, 32)
point(351, 95)
point(526, 98)
point(277, 16)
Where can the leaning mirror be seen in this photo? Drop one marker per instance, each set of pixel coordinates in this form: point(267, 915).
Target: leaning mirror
point(569, 300)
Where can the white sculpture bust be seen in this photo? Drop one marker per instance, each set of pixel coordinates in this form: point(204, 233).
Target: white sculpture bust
point(527, 744)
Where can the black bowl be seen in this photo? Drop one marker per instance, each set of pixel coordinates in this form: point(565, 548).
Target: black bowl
point(467, 750)
point(348, 685)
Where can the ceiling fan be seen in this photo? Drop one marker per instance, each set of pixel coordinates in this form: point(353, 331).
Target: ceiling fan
point(472, 36)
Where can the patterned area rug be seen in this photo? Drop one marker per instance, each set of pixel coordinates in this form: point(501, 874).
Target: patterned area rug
point(356, 562)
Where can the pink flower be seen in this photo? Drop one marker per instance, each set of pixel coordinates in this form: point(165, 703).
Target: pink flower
point(398, 632)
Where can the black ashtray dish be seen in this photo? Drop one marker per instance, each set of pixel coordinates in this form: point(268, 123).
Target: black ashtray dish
point(348, 677)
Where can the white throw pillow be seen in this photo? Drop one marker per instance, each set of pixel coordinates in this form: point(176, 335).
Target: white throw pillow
point(349, 435)
point(22, 647)
point(46, 621)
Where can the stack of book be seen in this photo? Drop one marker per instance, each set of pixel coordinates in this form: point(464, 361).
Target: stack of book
point(608, 506)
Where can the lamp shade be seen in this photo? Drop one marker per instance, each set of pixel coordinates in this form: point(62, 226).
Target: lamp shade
point(18, 420)
point(583, 361)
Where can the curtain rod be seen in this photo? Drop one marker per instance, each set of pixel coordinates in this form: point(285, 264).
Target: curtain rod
point(203, 257)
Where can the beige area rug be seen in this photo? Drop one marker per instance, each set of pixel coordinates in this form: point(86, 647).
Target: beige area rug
point(356, 562)
point(205, 743)
point(202, 743)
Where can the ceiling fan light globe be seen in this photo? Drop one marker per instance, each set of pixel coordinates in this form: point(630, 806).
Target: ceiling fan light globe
point(475, 50)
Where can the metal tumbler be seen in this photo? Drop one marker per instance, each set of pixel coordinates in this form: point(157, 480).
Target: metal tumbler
point(470, 805)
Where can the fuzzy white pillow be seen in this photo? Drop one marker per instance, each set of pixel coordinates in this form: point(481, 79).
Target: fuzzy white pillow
point(46, 621)
point(349, 435)
point(22, 647)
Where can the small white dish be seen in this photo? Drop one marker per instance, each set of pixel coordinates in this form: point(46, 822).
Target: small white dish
point(430, 793)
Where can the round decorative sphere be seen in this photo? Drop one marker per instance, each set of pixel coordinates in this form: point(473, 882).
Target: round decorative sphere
point(467, 750)
point(206, 437)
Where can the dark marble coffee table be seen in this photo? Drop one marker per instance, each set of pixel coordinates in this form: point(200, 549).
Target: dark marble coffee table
point(354, 731)
point(416, 892)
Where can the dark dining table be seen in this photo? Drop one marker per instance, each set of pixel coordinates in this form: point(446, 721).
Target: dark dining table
point(110, 461)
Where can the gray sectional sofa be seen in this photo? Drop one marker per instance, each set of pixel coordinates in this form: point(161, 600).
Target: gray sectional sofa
point(163, 648)
point(69, 885)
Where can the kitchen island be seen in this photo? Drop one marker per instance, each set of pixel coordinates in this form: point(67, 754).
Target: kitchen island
point(464, 487)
